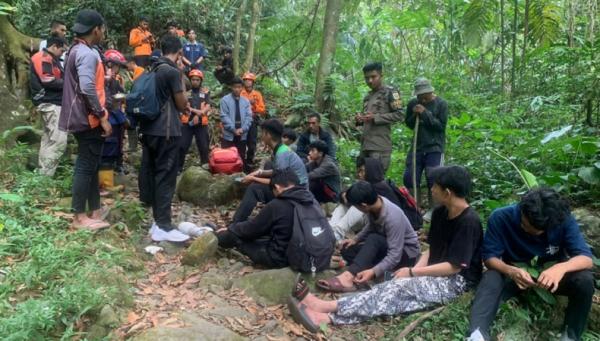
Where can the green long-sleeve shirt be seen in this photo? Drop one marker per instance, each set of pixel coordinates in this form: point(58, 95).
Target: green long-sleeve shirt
point(432, 125)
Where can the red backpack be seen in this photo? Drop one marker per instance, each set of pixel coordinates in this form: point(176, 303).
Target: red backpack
point(225, 161)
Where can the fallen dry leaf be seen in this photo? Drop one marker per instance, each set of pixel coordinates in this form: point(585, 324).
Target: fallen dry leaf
point(132, 317)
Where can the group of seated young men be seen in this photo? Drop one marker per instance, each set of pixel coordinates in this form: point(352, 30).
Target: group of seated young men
point(386, 250)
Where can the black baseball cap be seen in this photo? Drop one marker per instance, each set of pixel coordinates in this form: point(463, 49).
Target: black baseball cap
point(86, 20)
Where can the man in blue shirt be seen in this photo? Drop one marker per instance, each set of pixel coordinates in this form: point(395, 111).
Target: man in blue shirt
point(236, 118)
point(193, 53)
point(541, 226)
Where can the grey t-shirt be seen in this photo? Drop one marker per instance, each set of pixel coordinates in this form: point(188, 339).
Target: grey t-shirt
point(401, 237)
point(168, 83)
point(285, 158)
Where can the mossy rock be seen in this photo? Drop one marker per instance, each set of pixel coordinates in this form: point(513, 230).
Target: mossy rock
point(201, 250)
point(589, 224)
point(202, 188)
point(274, 286)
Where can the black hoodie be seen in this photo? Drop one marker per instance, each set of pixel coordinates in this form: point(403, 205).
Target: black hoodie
point(275, 223)
point(375, 175)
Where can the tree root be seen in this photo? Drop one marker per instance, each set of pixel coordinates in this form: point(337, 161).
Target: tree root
point(414, 324)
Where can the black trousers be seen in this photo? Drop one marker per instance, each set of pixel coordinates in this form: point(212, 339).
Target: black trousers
point(256, 250)
point(369, 253)
point(251, 142)
point(158, 176)
point(320, 191)
point(254, 194)
point(241, 148)
point(86, 189)
point(188, 133)
point(495, 288)
point(143, 61)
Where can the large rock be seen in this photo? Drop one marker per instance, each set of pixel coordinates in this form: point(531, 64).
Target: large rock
point(202, 188)
point(590, 226)
point(275, 286)
point(201, 250)
point(196, 329)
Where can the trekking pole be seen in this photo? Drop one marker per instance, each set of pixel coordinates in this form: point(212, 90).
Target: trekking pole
point(414, 162)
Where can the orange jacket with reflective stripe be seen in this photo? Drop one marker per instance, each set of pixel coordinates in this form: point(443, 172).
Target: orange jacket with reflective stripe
point(256, 101)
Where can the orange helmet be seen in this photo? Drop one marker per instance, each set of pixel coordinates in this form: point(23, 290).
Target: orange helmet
point(250, 76)
point(196, 73)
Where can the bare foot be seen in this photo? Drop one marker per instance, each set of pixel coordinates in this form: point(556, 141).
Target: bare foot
point(319, 305)
point(99, 214)
point(346, 279)
point(82, 221)
point(317, 318)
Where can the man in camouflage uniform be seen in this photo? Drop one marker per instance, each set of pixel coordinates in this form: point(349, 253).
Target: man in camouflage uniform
point(382, 107)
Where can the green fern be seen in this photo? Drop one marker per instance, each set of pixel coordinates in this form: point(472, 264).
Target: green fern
point(477, 20)
point(545, 21)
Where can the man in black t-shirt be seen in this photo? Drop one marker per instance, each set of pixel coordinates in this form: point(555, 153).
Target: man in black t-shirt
point(160, 142)
point(447, 270)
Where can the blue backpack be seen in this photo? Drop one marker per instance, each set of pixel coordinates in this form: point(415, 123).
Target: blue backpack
point(142, 103)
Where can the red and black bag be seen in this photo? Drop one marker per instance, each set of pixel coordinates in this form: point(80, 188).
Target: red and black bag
point(408, 204)
point(225, 161)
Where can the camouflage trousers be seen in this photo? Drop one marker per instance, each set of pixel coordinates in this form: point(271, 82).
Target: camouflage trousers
point(54, 141)
point(398, 296)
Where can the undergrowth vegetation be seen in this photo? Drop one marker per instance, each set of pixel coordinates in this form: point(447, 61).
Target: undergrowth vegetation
point(52, 281)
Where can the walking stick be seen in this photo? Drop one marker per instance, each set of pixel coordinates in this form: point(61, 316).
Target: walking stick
point(414, 162)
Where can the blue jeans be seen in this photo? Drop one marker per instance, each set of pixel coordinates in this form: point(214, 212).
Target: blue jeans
point(425, 161)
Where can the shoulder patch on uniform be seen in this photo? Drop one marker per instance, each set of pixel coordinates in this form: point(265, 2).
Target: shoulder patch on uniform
point(396, 95)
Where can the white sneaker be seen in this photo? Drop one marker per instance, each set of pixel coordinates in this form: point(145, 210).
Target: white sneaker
point(175, 236)
point(153, 228)
point(476, 336)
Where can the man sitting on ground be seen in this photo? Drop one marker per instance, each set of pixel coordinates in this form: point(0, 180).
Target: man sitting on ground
point(384, 244)
point(265, 238)
point(313, 133)
point(282, 158)
point(542, 227)
point(450, 267)
point(323, 173)
point(345, 217)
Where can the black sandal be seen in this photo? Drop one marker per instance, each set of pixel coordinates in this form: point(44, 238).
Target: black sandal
point(300, 289)
point(298, 312)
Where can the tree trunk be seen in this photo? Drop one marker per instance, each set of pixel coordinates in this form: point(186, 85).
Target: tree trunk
point(525, 36)
point(502, 45)
point(571, 17)
point(15, 49)
point(236, 40)
point(514, 48)
point(332, 18)
point(251, 36)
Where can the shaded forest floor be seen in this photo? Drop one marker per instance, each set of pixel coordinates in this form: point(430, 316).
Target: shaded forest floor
point(62, 284)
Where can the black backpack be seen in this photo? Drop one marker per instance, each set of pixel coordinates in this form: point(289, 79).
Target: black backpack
point(313, 242)
point(408, 205)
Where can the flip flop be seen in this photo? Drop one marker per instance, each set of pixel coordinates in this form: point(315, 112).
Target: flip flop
point(300, 289)
point(94, 226)
point(334, 285)
point(298, 311)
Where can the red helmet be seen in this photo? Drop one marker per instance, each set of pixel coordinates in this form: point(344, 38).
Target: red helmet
point(115, 56)
point(196, 73)
point(250, 76)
